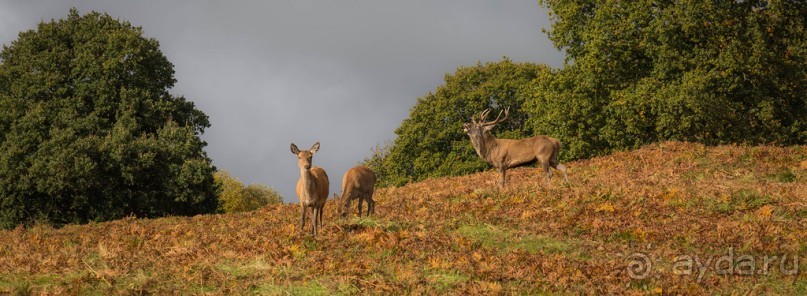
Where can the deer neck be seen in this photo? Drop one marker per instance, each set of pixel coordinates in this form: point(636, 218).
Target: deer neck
point(307, 178)
point(486, 147)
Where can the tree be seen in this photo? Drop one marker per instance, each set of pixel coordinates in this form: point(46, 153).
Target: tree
point(644, 71)
point(261, 195)
point(431, 142)
point(564, 106)
point(235, 197)
point(89, 131)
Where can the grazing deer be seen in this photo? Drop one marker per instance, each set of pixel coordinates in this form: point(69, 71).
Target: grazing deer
point(358, 183)
point(312, 188)
point(505, 153)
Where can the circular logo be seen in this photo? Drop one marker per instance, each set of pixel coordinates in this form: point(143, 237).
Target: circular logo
point(639, 266)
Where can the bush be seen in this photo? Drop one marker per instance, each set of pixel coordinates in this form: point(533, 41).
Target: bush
point(235, 197)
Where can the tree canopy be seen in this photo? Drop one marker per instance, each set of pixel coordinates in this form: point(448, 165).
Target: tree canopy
point(707, 71)
point(89, 131)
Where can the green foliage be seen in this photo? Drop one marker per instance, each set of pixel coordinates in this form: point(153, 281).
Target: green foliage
point(262, 194)
point(503, 239)
point(561, 108)
point(376, 162)
point(431, 142)
point(234, 197)
point(643, 71)
point(89, 132)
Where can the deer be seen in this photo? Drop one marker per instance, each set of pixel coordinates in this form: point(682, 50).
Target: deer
point(358, 183)
point(506, 153)
point(312, 188)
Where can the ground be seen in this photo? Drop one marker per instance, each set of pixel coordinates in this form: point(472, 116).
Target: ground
point(670, 218)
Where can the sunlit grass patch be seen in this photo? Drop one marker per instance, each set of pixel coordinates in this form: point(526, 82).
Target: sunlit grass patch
point(740, 200)
point(504, 240)
point(365, 221)
point(27, 284)
point(312, 288)
point(23, 285)
point(245, 270)
point(140, 281)
point(445, 280)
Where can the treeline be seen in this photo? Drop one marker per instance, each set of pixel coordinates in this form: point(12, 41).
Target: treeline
point(636, 72)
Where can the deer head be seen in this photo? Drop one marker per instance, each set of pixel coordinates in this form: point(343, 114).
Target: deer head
point(304, 156)
point(476, 129)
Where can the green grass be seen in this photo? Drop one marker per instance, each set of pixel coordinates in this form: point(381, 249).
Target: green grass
point(21, 284)
point(499, 238)
point(784, 176)
point(313, 287)
point(357, 223)
point(444, 281)
point(245, 270)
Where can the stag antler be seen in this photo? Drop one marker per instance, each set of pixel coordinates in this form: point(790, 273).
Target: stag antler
point(482, 116)
point(498, 119)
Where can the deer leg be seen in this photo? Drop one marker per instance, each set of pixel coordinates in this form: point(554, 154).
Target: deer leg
point(548, 172)
point(361, 204)
point(319, 215)
point(346, 207)
point(321, 209)
point(562, 169)
point(302, 219)
point(558, 166)
point(314, 221)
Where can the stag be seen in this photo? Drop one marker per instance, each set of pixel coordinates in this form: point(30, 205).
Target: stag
point(358, 183)
point(506, 153)
point(312, 188)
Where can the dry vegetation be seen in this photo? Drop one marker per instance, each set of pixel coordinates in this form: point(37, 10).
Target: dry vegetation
point(462, 234)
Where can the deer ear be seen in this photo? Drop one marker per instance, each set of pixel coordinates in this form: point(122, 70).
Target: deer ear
point(294, 149)
point(487, 128)
point(314, 148)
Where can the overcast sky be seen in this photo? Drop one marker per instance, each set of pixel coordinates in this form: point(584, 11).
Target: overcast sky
point(344, 73)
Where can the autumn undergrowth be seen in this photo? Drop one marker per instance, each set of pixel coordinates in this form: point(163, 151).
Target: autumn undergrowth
point(463, 235)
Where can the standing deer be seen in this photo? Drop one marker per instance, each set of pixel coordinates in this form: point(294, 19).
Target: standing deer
point(312, 188)
point(358, 183)
point(505, 153)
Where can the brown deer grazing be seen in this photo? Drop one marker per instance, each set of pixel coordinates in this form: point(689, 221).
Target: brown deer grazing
point(505, 153)
point(312, 188)
point(358, 183)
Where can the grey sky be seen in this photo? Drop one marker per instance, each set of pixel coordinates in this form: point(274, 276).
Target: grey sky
point(344, 73)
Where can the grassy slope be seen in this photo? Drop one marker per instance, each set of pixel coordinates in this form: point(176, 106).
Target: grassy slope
point(463, 234)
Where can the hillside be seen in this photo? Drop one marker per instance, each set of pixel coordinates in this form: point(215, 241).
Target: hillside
point(464, 234)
